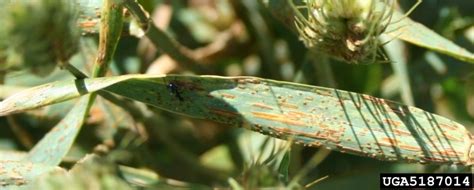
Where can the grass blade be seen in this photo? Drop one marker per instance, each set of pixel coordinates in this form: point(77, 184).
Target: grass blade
point(56, 144)
point(314, 116)
point(418, 34)
point(53, 93)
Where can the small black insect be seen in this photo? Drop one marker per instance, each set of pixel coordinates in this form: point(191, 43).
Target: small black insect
point(174, 90)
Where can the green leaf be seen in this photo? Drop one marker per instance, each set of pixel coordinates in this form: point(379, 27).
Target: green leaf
point(284, 166)
point(418, 34)
point(18, 174)
point(56, 144)
point(314, 116)
point(110, 32)
point(52, 93)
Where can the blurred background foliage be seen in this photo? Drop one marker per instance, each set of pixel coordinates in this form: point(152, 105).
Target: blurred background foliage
point(232, 38)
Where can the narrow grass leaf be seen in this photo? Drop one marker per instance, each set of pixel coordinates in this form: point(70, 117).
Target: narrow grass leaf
point(418, 34)
point(313, 116)
point(53, 93)
point(56, 144)
point(283, 169)
point(309, 115)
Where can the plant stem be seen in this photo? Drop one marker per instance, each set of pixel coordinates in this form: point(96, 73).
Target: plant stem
point(161, 40)
point(110, 32)
point(74, 71)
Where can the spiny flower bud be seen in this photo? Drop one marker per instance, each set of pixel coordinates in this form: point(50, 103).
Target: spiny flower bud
point(347, 30)
point(40, 34)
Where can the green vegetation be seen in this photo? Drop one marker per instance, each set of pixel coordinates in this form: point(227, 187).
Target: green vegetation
point(241, 94)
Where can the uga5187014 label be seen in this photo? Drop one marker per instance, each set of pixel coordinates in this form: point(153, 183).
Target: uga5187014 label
point(419, 180)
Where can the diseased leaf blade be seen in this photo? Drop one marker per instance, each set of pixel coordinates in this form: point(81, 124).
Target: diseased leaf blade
point(88, 18)
point(19, 174)
point(314, 116)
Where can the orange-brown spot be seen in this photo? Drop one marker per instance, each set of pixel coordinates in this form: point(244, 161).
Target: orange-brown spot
point(329, 134)
point(288, 131)
point(358, 105)
point(373, 99)
point(223, 112)
point(262, 105)
point(279, 118)
point(392, 122)
point(396, 111)
point(315, 144)
point(298, 114)
point(450, 137)
point(253, 81)
point(385, 144)
point(287, 105)
point(349, 149)
point(446, 126)
point(230, 96)
point(323, 93)
point(244, 80)
point(320, 135)
point(389, 140)
point(61, 139)
point(367, 97)
point(401, 132)
point(409, 147)
point(449, 153)
point(87, 24)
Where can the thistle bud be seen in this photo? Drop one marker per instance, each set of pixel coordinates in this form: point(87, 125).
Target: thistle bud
point(347, 30)
point(39, 34)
